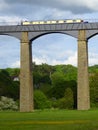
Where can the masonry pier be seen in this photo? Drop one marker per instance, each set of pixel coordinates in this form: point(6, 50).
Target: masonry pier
point(26, 78)
point(83, 97)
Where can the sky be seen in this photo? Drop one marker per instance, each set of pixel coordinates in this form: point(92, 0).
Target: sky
point(52, 48)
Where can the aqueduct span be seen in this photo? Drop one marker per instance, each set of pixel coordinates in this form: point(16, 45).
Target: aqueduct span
point(27, 33)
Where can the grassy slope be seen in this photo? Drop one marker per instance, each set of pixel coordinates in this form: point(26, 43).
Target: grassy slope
point(50, 120)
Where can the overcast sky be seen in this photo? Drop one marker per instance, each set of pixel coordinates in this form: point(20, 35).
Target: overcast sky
point(52, 48)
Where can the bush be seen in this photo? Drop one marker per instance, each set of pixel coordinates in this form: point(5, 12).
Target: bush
point(67, 102)
point(8, 104)
point(40, 100)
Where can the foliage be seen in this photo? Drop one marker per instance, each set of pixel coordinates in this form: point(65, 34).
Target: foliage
point(44, 68)
point(40, 100)
point(67, 102)
point(13, 72)
point(42, 74)
point(94, 89)
point(93, 69)
point(8, 104)
point(68, 71)
point(39, 78)
point(59, 86)
point(53, 81)
point(45, 87)
point(8, 87)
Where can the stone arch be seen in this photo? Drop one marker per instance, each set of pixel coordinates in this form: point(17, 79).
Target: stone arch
point(92, 49)
point(92, 35)
point(50, 41)
point(16, 35)
point(46, 33)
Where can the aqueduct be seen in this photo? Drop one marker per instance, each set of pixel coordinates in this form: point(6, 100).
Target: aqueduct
point(27, 33)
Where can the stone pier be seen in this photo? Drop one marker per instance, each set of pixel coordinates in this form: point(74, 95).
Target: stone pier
point(26, 78)
point(83, 97)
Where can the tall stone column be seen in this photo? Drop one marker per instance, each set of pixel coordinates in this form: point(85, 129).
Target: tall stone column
point(83, 97)
point(26, 78)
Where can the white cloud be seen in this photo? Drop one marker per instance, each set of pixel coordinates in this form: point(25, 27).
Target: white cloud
point(93, 58)
point(10, 20)
point(15, 64)
point(71, 59)
point(39, 60)
point(91, 4)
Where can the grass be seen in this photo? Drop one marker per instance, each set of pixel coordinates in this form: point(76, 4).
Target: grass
point(50, 120)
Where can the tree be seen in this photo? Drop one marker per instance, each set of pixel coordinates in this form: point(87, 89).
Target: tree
point(8, 87)
point(40, 100)
point(59, 85)
point(69, 71)
point(13, 72)
point(42, 74)
point(66, 102)
point(68, 99)
point(94, 89)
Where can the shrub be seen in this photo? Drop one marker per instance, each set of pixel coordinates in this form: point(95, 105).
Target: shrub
point(67, 102)
point(8, 104)
point(40, 100)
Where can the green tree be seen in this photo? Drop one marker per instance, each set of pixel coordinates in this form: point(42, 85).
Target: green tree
point(67, 102)
point(69, 71)
point(40, 100)
point(13, 72)
point(42, 74)
point(58, 85)
point(8, 87)
point(93, 69)
point(94, 89)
